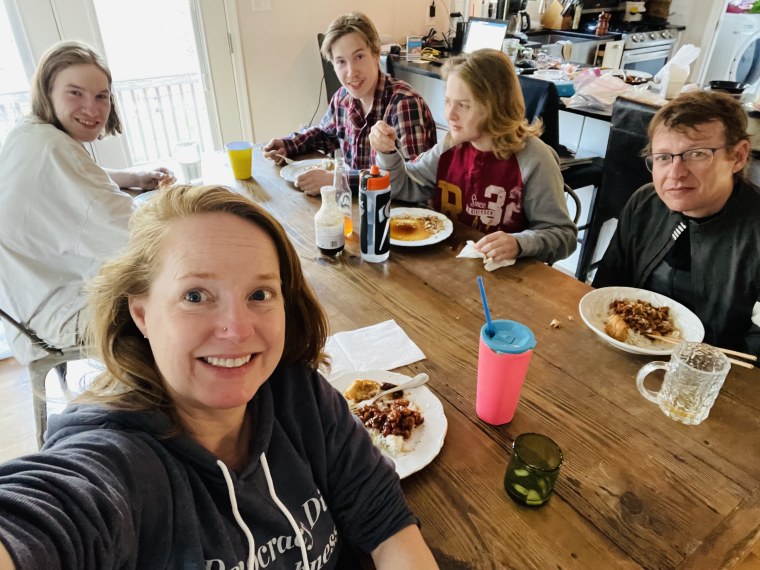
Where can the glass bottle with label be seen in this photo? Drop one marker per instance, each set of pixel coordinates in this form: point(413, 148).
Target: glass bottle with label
point(328, 224)
point(343, 193)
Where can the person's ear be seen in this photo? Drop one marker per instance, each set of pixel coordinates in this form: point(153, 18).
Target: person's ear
point(137, 310)
point(741, 155)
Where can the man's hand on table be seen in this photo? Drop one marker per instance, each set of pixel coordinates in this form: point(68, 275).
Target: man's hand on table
point(142, 179)
point(311, 181)
point(150, 179)
point(274, 148)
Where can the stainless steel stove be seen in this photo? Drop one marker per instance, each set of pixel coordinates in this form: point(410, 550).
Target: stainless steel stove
point(647, 47)
point(658, 38)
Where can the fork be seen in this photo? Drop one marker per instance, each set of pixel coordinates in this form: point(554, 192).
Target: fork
point(285, 158)
point(418, 380)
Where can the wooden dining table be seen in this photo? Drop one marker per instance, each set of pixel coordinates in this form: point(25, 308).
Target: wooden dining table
point(636, 489)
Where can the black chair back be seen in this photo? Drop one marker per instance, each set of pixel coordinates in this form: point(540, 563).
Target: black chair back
point(624, 168)
point(542, 101)
point(624, 171)
point(332, 83)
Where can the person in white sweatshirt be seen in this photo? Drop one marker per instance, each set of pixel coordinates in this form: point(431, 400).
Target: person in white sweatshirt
point(62, 215)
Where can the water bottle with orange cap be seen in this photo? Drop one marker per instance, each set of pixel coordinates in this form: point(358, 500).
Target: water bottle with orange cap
point(375, 212)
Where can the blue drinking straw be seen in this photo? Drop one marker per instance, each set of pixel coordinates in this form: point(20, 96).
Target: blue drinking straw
point(489, 325)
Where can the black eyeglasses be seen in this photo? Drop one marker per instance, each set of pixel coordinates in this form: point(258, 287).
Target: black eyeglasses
point(700, 157)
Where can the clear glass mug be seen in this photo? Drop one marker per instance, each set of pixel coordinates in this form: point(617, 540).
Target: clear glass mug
point(693, 379)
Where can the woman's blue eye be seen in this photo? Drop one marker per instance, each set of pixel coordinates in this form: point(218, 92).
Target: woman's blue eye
point(194, 296)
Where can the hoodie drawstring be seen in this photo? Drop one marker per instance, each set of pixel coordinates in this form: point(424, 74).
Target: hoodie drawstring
point(236, 513)
point(276, 499)
point(285, 511)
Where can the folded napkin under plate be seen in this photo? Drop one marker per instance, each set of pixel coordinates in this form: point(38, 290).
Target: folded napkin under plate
point(383, 346)
point(469, 251)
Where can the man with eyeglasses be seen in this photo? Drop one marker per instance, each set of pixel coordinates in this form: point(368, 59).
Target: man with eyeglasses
point(694, 233)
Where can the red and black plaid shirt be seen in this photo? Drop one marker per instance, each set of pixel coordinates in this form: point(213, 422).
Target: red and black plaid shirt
point(395, 102)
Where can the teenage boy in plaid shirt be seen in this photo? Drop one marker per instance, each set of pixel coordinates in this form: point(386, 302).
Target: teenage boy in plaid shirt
point(368, 95)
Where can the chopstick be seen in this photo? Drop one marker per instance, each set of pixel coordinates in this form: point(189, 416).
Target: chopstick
point(751, 357)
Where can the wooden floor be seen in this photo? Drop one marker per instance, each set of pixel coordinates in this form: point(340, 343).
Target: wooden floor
point(17, 426)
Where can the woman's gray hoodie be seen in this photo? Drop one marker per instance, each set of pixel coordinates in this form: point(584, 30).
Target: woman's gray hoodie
point(109, 490)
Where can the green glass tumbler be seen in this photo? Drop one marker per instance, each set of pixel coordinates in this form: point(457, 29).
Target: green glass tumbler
point(532, 469)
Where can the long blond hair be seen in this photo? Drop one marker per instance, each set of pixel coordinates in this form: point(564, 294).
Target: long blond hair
point(131, 379)
point(494, 84)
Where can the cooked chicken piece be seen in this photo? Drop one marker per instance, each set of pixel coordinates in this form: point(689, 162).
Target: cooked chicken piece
point(361, 390)
point(616, 328)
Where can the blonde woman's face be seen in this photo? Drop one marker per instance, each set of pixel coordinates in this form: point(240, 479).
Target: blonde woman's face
point(214, 314)
point(81, 101)
point(464, 114)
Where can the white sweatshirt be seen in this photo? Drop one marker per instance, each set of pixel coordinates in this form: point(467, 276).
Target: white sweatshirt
point(61, 216)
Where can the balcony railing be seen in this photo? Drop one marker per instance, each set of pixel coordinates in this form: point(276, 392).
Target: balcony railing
point(156, 113)
point(13, 106)
point(159, 112)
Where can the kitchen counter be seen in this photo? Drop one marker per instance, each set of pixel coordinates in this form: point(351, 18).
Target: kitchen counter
point(433, 92)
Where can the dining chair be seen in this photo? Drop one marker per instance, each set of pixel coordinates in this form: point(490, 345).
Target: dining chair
point(623, 172)
point(332, 83)
point(542, 102)
point(56, 359)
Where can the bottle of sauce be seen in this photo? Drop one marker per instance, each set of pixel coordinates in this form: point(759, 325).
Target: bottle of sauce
point(343, 193)
point(328, 224)
point(375, 213)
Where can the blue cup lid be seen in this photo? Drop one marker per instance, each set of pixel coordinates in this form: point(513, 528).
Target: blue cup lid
point(511, 337)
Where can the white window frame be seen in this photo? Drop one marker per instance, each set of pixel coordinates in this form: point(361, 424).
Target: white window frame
point(38, 24)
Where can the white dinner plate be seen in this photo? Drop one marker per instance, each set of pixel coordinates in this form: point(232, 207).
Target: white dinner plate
point(448, 227)
point(140, 199)
point(292, 171)
point(594, 308)
point(427, 438)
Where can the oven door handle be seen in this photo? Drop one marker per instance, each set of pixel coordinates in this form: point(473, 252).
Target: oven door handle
point(629, 57)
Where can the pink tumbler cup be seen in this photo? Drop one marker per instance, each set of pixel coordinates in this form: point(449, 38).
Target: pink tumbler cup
point(502, 363)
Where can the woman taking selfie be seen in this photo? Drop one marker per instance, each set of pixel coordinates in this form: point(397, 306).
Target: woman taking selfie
point(210, 440)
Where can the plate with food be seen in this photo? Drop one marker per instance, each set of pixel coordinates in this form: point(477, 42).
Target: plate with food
point(632, 76)
point(625, 316)
point(413, 420)
point(293, 170)
point(415, 227)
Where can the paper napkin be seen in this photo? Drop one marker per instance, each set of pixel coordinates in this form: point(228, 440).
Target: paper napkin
point(469, 251)
point(383, 346)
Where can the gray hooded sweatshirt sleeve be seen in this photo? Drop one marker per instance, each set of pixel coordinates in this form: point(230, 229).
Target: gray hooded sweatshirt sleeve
point(550, 235)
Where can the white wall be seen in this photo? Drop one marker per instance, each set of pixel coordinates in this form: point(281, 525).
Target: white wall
point(282, 62)
point(700, 18)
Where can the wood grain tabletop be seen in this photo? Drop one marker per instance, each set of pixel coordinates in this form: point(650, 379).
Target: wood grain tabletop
point(636, 489)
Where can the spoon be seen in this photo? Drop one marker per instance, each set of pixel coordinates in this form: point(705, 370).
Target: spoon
point(418, 380)
point(414, 179)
